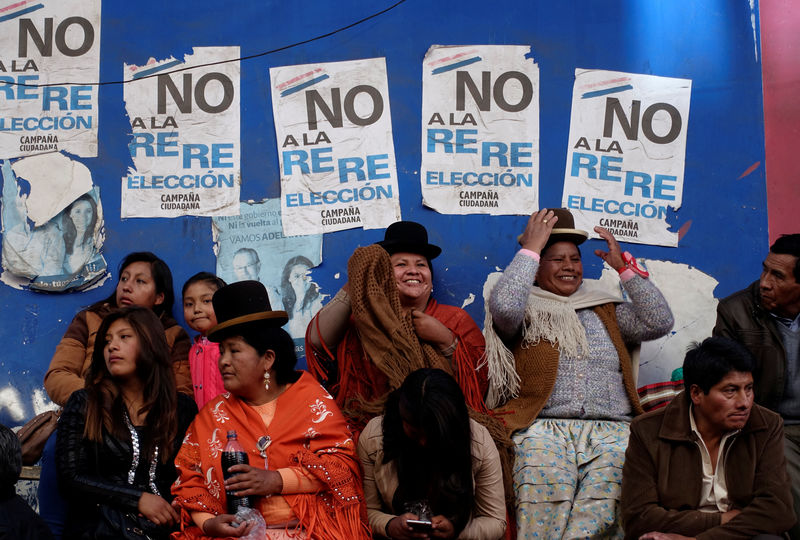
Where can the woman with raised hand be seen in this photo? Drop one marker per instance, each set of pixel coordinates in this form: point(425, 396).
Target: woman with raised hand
point(558, 351)
point(383, 324)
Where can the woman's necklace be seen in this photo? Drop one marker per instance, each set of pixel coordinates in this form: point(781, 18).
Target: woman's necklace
point(137, 457)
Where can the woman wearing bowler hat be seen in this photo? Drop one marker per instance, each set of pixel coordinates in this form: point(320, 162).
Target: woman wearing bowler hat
point(303, 473)
point(557, 348)
point(383, 324)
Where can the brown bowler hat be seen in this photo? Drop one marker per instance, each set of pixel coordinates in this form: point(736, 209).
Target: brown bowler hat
point(243, 305)
point(565, 230)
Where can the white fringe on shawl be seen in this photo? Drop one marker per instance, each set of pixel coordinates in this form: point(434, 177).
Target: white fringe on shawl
point(548, 317)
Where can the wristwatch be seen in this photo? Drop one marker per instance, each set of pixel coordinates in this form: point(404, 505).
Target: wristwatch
point(630, 263)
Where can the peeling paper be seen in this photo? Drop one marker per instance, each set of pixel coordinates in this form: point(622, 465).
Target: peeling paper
point(64, 252)
point(184, 145)
point(42, 403)
point(11, 401)
point(61, 117)
point(480, 130)
point(690, 295)
point(55, 181)
point(468, 300)
point(626, 174)
point(252, 246)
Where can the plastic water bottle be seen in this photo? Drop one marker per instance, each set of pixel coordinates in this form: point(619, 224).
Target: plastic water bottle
point(234, 454)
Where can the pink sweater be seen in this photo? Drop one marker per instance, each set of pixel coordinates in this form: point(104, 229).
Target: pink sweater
point(206, 380)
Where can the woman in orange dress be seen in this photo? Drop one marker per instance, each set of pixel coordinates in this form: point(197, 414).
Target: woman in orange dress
point(303, 475)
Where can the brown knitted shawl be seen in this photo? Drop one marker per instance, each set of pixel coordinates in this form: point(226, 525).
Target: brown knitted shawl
point(385, 329)
point(387, 335)
point(537, 366)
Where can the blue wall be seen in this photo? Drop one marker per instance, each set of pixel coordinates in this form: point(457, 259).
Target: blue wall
point(713, 43)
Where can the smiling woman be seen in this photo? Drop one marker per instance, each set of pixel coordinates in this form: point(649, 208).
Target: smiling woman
point(562, 375)
point(383, 324)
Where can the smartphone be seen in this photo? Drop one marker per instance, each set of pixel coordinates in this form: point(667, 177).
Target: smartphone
point(420, 525)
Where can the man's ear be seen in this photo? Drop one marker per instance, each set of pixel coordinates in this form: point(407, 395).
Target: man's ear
point(694, 393)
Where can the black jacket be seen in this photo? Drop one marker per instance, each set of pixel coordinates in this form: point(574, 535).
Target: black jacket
point(740, 317)
point(18, 521)
point(92, 474)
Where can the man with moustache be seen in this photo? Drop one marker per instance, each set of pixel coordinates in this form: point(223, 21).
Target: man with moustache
point(710, 464)
point(765, 318)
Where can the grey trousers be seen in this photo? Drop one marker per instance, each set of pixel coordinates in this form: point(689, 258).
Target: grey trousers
point(792, 450)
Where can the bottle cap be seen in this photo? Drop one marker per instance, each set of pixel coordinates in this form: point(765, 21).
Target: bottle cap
point(232, 434)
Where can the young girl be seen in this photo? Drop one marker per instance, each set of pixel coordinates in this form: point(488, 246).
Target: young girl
point(199, 314)
point(118, 436)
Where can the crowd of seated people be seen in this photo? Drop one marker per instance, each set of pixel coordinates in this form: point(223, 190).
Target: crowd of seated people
point(410, 422)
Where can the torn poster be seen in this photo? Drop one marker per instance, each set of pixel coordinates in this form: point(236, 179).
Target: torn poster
point(480, 130)
point(626, 154)
point(49, 43)
point(335, 147)
point(185, 136)
point(252, 245)
point(62, 252)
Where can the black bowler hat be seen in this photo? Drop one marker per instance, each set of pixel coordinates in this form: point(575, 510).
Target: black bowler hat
point(408, 237)
point(240, 306)
point(564, 230)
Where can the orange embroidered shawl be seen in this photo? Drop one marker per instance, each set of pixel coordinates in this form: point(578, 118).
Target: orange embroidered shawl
point(308, 430)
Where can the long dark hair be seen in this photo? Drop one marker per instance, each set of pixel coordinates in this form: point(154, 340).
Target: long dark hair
point(162, 277)
point(287, 291)
point(70, 232)
point(105, 406)
point(431, 402)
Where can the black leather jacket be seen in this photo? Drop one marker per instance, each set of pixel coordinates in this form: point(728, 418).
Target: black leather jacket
point(740, 317)
point(91, 473)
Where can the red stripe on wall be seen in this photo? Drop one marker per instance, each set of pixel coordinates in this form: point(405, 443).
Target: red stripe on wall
point(780, 46)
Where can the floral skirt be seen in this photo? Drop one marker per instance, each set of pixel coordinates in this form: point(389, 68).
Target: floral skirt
point(567, 477)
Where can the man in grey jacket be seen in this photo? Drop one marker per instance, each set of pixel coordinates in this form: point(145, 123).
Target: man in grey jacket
point(765, 318)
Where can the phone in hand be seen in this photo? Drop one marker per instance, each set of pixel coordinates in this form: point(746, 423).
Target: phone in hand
point(420, 525)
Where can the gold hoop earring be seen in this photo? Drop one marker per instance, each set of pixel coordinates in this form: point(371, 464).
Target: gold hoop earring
point(266, 380)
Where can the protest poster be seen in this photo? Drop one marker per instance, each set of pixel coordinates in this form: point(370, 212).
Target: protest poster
point(626, 154)
point(253, 246)
point(185, 136)
point(49, 42)
point(52, 224)
point(480, 130)
point(335, 147)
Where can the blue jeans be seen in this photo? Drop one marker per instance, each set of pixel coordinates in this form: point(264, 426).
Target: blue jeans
point(52, 506)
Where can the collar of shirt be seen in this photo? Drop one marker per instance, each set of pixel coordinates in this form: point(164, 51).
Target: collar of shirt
point(788, 322)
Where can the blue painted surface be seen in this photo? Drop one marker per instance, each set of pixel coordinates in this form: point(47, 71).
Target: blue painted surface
point(712, 43)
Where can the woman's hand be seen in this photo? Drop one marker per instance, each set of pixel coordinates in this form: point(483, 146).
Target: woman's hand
point(157, 510)
point(226, 525)
point(399, 528)
point(614, 254)
point(663, 536)
point(442, 527)
point(431, 329)
point(247, 481)
point(538, 230)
